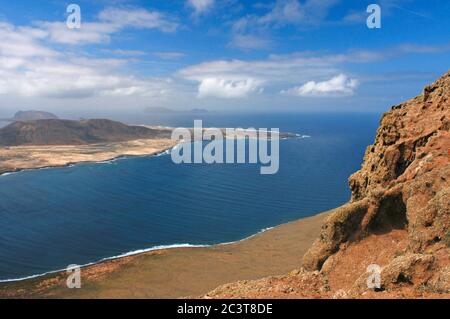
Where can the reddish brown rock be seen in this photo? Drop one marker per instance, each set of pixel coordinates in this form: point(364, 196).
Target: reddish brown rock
point(398, 216)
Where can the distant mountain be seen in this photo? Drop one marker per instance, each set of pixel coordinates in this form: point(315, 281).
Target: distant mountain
point(166, 110)
point(158, 109)
point(66, 132)
point(199, 111)
point(32, 116)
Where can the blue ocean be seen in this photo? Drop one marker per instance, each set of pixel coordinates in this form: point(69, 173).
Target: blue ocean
point(52, 218)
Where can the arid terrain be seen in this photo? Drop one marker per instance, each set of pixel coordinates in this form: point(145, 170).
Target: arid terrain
point(53, 142)
point(16, 158)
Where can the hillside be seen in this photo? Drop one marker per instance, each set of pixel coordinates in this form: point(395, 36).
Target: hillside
point(66, 132)
point(398, 217)
point(32, 116)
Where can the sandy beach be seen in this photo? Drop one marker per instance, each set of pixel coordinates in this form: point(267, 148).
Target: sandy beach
point(181, 272)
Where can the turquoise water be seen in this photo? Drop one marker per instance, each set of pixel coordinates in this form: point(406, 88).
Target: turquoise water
point(52, 218)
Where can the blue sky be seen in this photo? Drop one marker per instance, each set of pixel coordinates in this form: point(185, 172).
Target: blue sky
point(277, 55)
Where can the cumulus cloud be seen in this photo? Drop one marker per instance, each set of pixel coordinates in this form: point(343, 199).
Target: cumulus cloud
point(275, 70)
point(30, 68)
point(247, 77)
point(226, 88)
point(339, 85)
point(69, 79)
point(200, 6)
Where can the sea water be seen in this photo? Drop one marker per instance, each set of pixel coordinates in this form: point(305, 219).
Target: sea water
point(85, 213)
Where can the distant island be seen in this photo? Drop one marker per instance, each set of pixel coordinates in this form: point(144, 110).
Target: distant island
point(166, 110)
point(55, 142)
point(31, 116)
point(69, 132)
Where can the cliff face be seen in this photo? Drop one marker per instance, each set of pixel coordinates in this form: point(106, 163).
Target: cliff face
point(404, 180)
point(398, 217)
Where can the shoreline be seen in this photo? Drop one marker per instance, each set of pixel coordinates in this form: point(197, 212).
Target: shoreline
point(290, 239)
point(155, 154)
point(138, 252)
point(110, 154)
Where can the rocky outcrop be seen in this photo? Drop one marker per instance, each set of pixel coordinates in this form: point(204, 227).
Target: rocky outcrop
point(404, 177)
point(399, 214)
point(337, 229)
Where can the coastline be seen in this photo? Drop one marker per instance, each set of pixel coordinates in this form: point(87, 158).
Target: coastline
point(135, 253)
point(60, 156)
point(70, 164)
point(203, 267)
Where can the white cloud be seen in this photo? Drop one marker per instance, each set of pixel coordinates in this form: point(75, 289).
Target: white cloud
point(138, 18)
point(200, 6)
point(276, 69)
point(111, 20)
point(246, 77)
point(70, 79)
point(339, 85)
point(22, 42)
point(88, 33)
point(29, 68)
point(31, 65)
point(226, 88)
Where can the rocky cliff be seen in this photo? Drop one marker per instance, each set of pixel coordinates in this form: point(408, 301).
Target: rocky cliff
point(397, 224)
